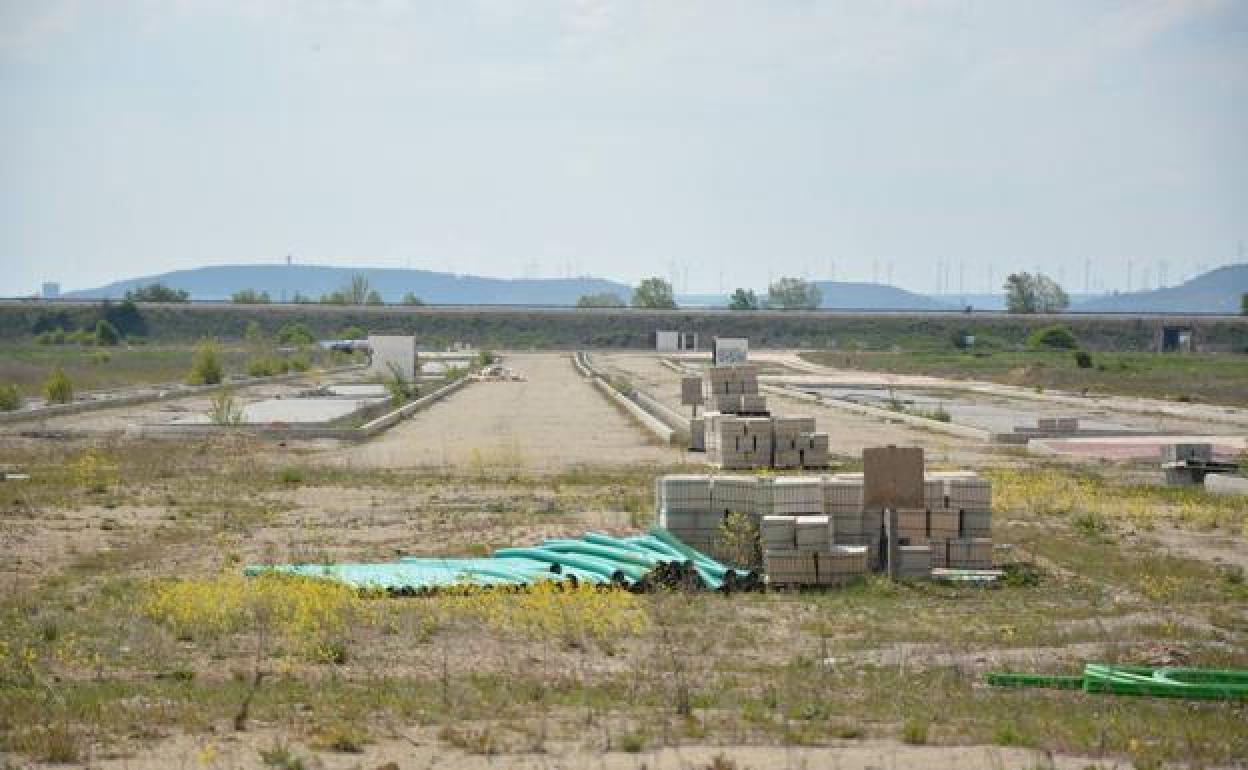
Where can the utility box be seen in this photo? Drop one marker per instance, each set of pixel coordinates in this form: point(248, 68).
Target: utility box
point(387, 350)
point(674, 342)
point(730, 350)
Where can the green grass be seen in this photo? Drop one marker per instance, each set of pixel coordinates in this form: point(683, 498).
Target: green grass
point(1220, 378)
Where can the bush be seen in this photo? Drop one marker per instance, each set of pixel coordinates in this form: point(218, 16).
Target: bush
point(58, 389)
point(106, 333)
point(299, 363)
point(80, 337)
point(295, 334)
point(267, 366)
point(1083, 359)
point(206, 368)
point(225, 409)
point(10, 399)
point(51, 337)
point(1054, 337)
point(353, 333)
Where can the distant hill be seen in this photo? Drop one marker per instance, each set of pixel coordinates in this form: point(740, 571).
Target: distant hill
point(840, 296)
point(1217, 291)
point(283, 281)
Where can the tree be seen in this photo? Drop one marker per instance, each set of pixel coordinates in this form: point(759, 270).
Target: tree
point(106, 333)
point(250, 297)
point(357, 292)
point(1027, 293)
point(794, 294)
point(374, 298)
point(125, 317)
point(600, 299)
point(353, 333)
point(254, 334)
point(206, 368)
point(411, 299)
point(157, 292)
point(743, 299)
point(654, 293)
point(1243, 303)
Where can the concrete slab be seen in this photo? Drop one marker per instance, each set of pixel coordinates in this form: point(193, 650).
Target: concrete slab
point(289, 410)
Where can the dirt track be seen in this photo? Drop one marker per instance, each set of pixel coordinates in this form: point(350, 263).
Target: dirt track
point(553, 420)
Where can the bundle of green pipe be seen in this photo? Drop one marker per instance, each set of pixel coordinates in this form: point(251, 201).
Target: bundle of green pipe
point(1195, 683)
point(639, 563)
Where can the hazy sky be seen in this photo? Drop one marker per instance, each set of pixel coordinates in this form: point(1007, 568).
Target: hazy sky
point(704, 138)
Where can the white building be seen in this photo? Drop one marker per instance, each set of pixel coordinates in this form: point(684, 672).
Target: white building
point(672, 342)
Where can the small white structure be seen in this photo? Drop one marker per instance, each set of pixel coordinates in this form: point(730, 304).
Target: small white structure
point(393, 349)
point(730, 350)
point(672, 342)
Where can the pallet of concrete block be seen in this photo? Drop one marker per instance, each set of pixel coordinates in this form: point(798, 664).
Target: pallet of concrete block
point(778, 533)
point(789, 495)
point(841, 563)
point(810, 533)
point(740, 442)
point(1058, 424)
point(970, 553)
point(734, 494)
point(842, 494)
point(914, 562)
point(682, 493)
point(789, 567)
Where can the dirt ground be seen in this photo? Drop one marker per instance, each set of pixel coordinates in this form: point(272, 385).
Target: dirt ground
point(552, 420)
point(877, 675)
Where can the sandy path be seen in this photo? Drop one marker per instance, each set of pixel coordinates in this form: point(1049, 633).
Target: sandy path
point(554, 420)
point(848, 433)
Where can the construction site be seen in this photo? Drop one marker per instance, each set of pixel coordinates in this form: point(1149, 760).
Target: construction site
point(700, 556)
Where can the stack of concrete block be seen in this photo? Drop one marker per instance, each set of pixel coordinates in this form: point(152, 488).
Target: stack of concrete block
point(733, 390)
point(1181, 453)
point(915, 562)
point(832, 566)
point(789, 495)
point(912, 526)
point(811, 533)
point(684, 508)
point(1058, 424)
point(778, 533)
point(797, 444)
point(737, 494)
point(970, 552)
point(738, 442)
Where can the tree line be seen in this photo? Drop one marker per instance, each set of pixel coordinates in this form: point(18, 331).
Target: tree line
point(1024, 293)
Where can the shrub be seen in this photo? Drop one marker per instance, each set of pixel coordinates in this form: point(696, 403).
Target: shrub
point(225, 409)
point(58, 389)
point(1054, 337)
point(295, 334)
point(353, 333)
point(267, 366)
point(80, 337)
point(10, 399)
point(299, 363)
point(51, 337)
point(106, 333)
point(206, 368)
point(914, 732)
point(1083, 359)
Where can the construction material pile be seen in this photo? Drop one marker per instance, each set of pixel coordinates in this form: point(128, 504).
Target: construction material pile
point(641, 563)
point(822, 530)
point(737, 431)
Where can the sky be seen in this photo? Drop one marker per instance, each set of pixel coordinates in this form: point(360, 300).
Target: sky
point(939, 144)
